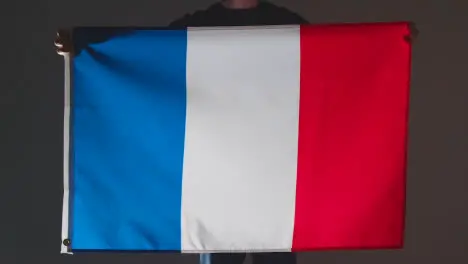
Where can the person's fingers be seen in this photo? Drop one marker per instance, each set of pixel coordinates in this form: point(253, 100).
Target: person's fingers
point(61, 50)
point(58, 44)
point(413, 34)
point(63, 33)
point(62, 53)
point(414, 30)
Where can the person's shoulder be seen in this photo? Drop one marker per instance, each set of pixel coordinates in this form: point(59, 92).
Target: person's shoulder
point(182, 21)
point(214, 13)
point(197, 18)
point(282, 12)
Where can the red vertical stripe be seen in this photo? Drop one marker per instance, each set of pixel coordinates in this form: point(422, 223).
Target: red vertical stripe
point(352, 137)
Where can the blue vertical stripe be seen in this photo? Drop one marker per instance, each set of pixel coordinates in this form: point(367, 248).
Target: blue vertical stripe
point(128, 129)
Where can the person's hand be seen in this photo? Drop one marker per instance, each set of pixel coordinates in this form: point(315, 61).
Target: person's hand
point(63, 42)
point(414, 33)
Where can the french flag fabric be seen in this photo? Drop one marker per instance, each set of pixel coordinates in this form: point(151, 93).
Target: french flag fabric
point(237, 139)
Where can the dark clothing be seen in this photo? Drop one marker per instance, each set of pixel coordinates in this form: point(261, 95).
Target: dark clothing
point(257, 258)
point(217, 15)
point(264, 14)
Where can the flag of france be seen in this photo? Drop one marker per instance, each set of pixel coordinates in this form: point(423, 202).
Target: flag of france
point(284, 138)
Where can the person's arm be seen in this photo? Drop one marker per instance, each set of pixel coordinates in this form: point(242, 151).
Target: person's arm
point(289, 17)
point(178, 23)
point(300, 20)
point(187, 20)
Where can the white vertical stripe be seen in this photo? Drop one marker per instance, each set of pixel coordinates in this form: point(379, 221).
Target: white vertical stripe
point(66, 151)
point(239, 180)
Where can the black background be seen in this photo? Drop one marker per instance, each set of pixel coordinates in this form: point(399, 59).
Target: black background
point(31, 123)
